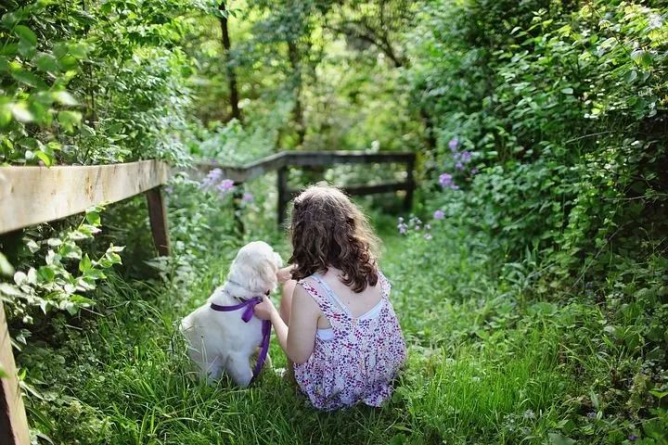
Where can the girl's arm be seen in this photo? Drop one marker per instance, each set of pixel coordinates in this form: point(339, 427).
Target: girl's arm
point(298, 340)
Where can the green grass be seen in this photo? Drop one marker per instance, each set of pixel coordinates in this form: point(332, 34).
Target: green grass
point(484, 367)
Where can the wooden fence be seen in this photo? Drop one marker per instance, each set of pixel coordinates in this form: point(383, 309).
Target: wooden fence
point(282, 161)
point(33, 195)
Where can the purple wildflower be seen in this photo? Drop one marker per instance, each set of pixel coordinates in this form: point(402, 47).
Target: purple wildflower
point(453, 144)
point(247, 197)
point(402, 228)
point(459, 166)
point(212, 177)
point(632, 437)
point(591, 415)
point(439, 214)
point(474, 171)
point(466, 156)
point(226, 186)
point(445, 179)
point(428, 236)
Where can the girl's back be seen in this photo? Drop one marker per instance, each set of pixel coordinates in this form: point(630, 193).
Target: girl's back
point(359, 345)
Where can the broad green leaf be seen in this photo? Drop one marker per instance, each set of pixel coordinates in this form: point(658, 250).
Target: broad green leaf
point(46, 273)
point(93, 218)
point(46, 62)
point(5, 115)
point(45, 158)
point(9, 20)
point(26, 34)
point(27, 78)
point(69, 119)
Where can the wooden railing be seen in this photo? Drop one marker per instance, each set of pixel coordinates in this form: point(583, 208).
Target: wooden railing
point(32, 195)
point(282, 161)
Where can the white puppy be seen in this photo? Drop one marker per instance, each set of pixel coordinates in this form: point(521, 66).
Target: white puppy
point(222, 341)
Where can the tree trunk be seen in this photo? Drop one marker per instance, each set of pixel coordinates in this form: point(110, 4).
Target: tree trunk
point(298, 112)
point(232, 77)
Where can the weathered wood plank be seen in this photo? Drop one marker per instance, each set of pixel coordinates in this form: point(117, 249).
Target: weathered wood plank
point(299, 158)
point(158, 220)
point(13, 420)
point(247, 172)
point(367, 190)
point(32, 195)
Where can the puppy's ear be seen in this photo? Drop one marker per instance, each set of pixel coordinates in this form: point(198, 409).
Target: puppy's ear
point(277, 260)
point(264, 276)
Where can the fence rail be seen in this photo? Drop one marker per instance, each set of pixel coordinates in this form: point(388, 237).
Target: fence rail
point(32, 195)
point(282, 161)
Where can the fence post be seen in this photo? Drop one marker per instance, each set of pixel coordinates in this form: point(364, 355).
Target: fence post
point(283, 198)
point(13, 420)
point(408, 198)
point(237, 196)
point(158, 219)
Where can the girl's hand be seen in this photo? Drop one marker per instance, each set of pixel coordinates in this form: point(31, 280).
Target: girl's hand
point(264, 309)
point(284, 275)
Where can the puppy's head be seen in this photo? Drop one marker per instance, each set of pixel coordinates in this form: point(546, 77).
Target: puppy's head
point(255, 268)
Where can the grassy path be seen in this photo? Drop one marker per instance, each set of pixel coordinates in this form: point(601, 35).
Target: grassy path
point(483, 368)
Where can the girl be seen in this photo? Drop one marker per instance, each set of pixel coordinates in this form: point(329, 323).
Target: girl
point(336, 324)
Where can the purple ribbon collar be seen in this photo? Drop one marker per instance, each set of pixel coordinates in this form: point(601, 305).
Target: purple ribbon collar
point(248, 306)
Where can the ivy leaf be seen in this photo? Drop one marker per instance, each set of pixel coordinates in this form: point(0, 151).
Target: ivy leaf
point(85, 264)
point(32, 246)
point(46, 273)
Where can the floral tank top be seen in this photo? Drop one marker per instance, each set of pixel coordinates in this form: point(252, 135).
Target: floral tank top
point(361, 359)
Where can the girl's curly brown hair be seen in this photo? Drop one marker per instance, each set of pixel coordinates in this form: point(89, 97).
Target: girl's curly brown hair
point(328, 230)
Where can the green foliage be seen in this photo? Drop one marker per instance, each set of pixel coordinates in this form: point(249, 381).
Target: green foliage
point(92, 83)
point(564, 111)
point(62, 272)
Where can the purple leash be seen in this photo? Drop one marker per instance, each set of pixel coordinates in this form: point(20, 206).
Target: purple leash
point(246, 317)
